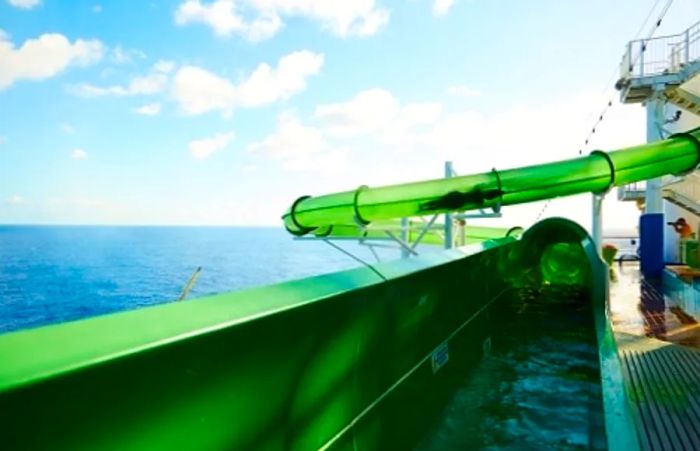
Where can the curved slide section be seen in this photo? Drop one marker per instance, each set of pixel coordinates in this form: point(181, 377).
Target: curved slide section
point(597, 173)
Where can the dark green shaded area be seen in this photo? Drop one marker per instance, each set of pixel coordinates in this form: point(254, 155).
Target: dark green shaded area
point(280, 367)
point(343, 361)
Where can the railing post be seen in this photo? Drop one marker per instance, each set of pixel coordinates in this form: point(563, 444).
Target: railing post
point(642, 50)
point(630, 66)
point(597, 226)
point(448, 216)
point(687, 46)
point(405, 253)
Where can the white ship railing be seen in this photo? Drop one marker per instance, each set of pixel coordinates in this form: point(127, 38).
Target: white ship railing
point(661, 55)
point(633, 191)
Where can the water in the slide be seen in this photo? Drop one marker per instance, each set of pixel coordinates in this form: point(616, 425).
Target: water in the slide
point(537, 389)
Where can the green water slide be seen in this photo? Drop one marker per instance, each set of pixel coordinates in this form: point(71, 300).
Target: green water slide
point(597, 173)
point(360, 359)
point(363, 359)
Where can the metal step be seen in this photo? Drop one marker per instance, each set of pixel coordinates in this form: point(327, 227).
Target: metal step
point(684, 99)
point(682, 201)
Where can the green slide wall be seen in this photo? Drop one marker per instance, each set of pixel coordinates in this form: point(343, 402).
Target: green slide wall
point(342, 361)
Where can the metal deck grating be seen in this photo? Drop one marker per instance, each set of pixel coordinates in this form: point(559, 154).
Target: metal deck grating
point(663, 384)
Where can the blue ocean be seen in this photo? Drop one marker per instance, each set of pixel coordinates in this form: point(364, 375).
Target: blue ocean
point(52, 274)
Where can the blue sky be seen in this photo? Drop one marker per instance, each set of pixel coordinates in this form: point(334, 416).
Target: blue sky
point(201, 112)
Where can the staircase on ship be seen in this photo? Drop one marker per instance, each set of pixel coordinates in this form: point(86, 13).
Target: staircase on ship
point(665, 68)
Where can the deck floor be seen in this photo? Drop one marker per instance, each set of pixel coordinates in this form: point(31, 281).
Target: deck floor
point(663, 381)
point(658, 346)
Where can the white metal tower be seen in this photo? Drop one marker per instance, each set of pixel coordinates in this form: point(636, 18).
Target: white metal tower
point(662, 73)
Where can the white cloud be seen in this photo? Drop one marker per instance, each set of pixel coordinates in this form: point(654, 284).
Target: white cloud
point(514, 135)
point(154, 82)
point(120, 55)
point(67, 128)
point(298, 147)
point(291, 139)
point(267, 85)
point(78, 154)
point(462, 91)
point(417, 114)
point(143, 85)
point(44, 57)
point(150, 109)
point(376, 111)
point(341, 17)
point(403, 132)
point(204, 148)
point(221, 16)
point(164, 66)
point(199, 91)
point(366, 112)
point(256, 20)
point(442, 7)
point(24, 4)
point(16, 200)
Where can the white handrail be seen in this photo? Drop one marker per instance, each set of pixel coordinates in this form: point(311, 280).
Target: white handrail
point(661, 55)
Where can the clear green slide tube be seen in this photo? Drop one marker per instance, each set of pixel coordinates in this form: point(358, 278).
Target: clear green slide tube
point(595, 173)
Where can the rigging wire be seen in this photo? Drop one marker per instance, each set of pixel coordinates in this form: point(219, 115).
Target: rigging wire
point(608, 86)
point(651, 33)
point(643, 48)
point(609, 104)
point(644, 24)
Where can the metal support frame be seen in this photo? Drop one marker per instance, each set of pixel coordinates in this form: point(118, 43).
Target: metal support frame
point(355, 257)
point(402, 240)
point(425, 230)
point(481, 214)
point(346, 252)
point(404, 237)
point(597, 217)
point(374, 252)
point(406, 248)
